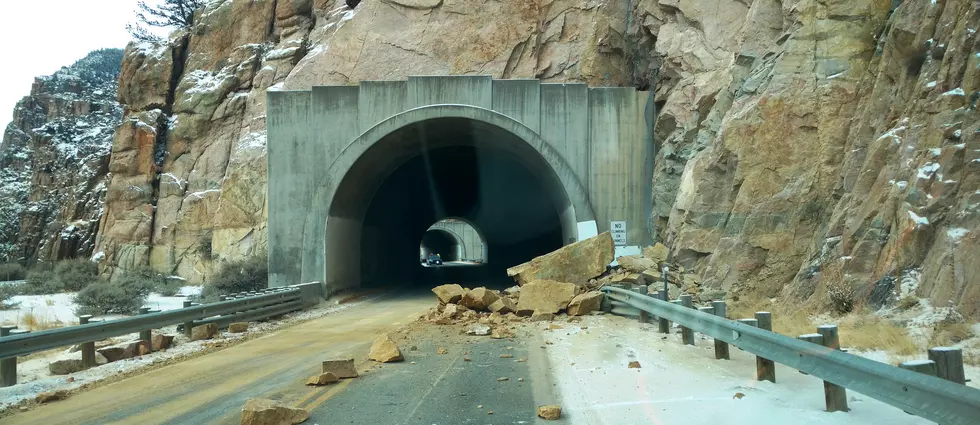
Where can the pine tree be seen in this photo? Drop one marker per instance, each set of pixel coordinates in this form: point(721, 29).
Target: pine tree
point(172, 13)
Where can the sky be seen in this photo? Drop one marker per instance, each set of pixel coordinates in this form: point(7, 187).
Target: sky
point(41, 36)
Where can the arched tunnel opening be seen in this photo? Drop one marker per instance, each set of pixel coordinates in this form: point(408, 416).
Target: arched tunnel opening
point(441, 243)
point(442, 168)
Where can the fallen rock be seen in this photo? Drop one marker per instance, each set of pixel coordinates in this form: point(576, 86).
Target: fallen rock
point(259, 411)
point(479, 299)
point(49, 396)
point(585, 303)
point(503, 306)
point(238, 327)
point(385, 350)
point(549, 412)
point(541, 316)
point(513, 290)
point(657, 253)
point(322, 379)
point(636, 263)
point(575, 263)
point(478, 329)
point(72, 362)
point(202, 332)
point(341, 368)
point(634, 365)
point(546, 296)
point(507, 356)
point(144, 349)
point(651, 276)
point(161, 341)
point(501, 333)
point(451, 311)
point(442, 350)
point(449, 294)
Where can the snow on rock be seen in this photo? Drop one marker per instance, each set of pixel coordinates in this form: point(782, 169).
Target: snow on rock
point(919, 221)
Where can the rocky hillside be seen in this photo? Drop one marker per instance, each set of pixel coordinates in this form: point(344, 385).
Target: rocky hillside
point(54, 158)
point(795, 137)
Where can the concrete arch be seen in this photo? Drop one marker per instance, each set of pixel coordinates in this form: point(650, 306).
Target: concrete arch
point(332, 209)
point(469, 251)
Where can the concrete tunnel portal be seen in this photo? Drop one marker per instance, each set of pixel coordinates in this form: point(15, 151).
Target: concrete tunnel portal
point(450, 167)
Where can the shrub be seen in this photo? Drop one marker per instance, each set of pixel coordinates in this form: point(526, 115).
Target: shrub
point(251, 274)
point(75, 275)
point(142, 281)
point(6, 293)
point(12, 271)
point(42, 281)
point(169, 287)
point(108, 297)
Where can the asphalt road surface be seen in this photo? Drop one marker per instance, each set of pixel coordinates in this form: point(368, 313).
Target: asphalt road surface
point(436, 389)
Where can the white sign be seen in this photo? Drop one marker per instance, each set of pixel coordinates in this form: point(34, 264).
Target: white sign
point(618, 230)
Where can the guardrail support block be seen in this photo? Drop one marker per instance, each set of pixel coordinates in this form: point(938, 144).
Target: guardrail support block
point(835, 396)
point(189, 326)
point(765, 369)
point(721, 347)
point(949, 363)
point(8, 367)
point(88, 348)
point(811, 338)
point(687, 334)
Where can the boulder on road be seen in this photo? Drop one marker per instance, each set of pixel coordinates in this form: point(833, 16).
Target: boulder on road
point(161, 341)
point(636, 263)
point(72, 362)
point(479, 299)
point(322, 379)
point(203, 332)
point(503, 306)
point(546, 296)
point(575, 263)
point(585, 303)
point(342, 368)
point(448, 294)
point(259, 411)
point(385, 350)
point(549, 412)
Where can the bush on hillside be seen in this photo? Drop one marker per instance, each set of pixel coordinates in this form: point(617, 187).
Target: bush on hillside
point(108, 298)
point(12, 271)
point(41, 281)
point(75, 275)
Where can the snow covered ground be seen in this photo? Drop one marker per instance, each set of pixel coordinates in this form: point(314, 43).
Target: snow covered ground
point(33, 376)
point(58, 309)
point(679, 384)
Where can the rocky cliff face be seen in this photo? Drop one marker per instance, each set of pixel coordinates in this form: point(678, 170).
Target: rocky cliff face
point(53, 161)
point(792, 134)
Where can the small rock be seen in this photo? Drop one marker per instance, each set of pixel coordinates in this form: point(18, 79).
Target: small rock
point(490, 412)
point(161, 341)
point(467, 359)
point(442, 350)
point(520, 379)
point(554, 326)
point(738, 396)
point(549, 412)
point(634, 365)
point(69, 363)
point(385, 350)
point(341, 368)
point(502, 379)
point(503, 306)
point(238, 327)
point(540, 316)
point(506, 356)
point(479, 329)
point(413, 348)
point(479, 406)
point(269, 412)
point(501, 333)
point(412, 363)
point(521, 360)
point(202, 332)
point(49, 396)
point(322, 379)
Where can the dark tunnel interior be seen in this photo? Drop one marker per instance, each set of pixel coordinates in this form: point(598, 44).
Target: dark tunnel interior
point(457, 168)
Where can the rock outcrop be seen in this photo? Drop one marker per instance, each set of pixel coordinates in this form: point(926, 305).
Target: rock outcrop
point(53, 161)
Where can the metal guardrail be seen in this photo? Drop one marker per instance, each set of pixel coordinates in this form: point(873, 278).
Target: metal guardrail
point(936, 399)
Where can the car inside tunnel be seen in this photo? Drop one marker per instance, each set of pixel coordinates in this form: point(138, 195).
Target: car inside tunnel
point(451, 167)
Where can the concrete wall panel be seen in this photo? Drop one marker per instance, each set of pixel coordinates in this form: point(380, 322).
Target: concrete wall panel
point(380, 100)
point(565, 123)
point(520, 100)
point(459, 90)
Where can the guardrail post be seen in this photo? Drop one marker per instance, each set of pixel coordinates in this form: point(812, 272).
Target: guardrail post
point(926, 367)
point(145, 335)
point(88, 348)
point(189, 325)
point(642, 290)
point(687, 334)
point(835, 396)
point(765, 369)
point(949, 363)
point(721, 347)
point(664, 323)
point(811, 338)
point(8, 367)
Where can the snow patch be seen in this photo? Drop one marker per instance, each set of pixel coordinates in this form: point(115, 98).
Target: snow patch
point(919, 220)
point(955, 92)
point(956, 234)
point(926, 171)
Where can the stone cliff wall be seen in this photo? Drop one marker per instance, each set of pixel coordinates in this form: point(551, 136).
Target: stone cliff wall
point(53, 161)
point(792, 134)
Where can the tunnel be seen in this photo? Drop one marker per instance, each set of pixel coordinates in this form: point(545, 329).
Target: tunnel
point(440, 168)
point(448, 246)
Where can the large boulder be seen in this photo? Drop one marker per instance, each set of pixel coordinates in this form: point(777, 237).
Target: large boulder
point(575, 263)
point(72, 362)
point(636, 263)
point(546, 296)
point(259, 411)
point(385, 350)
point(479, 299)
point(448, 294)
point(585, 303)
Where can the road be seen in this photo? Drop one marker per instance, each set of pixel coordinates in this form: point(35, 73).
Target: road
point(211, 389)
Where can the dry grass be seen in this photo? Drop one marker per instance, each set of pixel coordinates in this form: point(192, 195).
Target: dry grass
point(947, 334)
point(869, 332)
point(34, 322)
